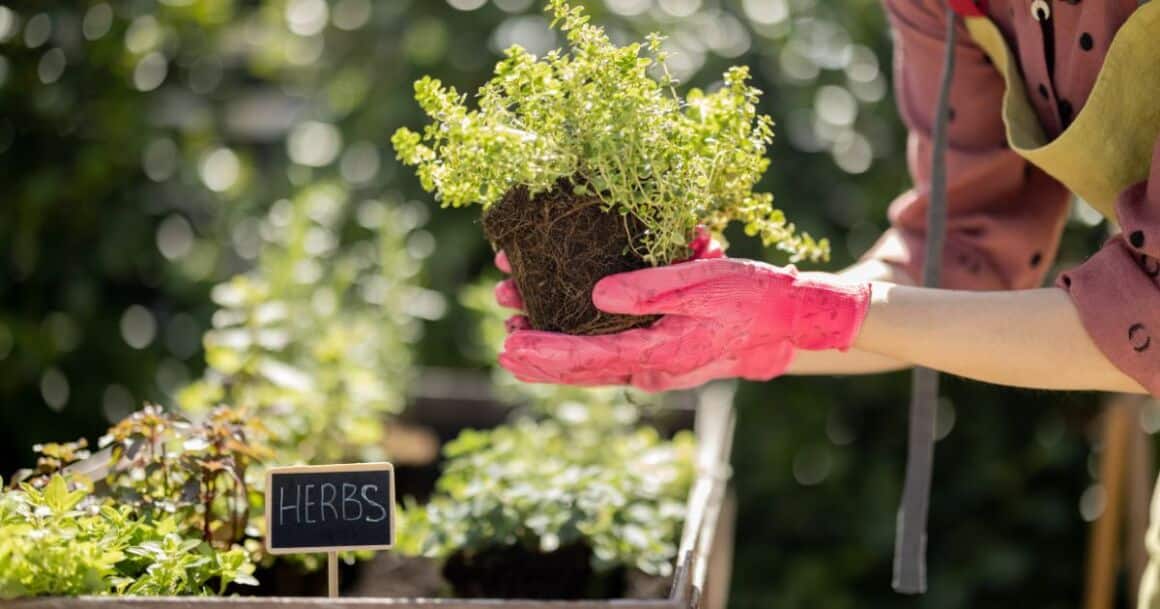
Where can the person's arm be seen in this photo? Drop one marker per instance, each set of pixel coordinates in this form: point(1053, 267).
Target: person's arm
point(854, 361)
point(739, 318)
point(1025, 338)
point(1004, 216)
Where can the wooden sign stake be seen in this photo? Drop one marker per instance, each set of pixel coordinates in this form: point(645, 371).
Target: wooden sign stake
point(332, 573)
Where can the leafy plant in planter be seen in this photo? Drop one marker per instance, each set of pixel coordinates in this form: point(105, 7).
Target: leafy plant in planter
point(587, 163)
point(62, 541)
point(202, 472)
point(543, 510)
point(173, 516)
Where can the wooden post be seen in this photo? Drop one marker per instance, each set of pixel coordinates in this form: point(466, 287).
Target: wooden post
point(332, 573)
point(1103, 546)
point(1141, 476)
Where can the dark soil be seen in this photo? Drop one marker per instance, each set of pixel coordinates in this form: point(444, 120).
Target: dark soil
point(560, 244)
point(514, 572)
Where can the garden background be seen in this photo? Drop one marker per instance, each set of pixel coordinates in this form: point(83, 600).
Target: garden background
point(150, 150)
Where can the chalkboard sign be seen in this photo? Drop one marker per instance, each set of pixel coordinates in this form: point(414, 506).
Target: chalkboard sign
point(326, 508)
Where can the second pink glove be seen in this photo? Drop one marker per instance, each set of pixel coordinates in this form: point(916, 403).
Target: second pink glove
point(722, 318)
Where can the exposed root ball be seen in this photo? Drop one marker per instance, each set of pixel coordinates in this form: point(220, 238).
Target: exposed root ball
point(560, 244)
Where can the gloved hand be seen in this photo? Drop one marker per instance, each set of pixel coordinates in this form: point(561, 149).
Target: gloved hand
point(722, 318)
point(508, 295)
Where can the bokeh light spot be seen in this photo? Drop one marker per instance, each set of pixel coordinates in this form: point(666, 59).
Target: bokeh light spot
point(246, 238)
point(54, 388)
point(836, 106)
point(680, 8)
point(116, 403)
point(174, 237)
point(314, 144)
point(138, 327)
point(852, 152)
point(51, 66)
point(8, 23)
point(628, 8)
point(306, 17)
point(466, 5)
point(159, 159)
point(97, 22)
point(765, 12)
point(37, 31)
point(143, 35)
point(1149, 415)
point(795, 65)
point(513, 6)
point(220, 169)
point(360, 163)
point(150, 72)
point(725, 34)
point(304, 50)
point(863, 66)
point(351, 14)
point(1092, 502)
point(420, 244)
point(870, 91)
point(530, 32)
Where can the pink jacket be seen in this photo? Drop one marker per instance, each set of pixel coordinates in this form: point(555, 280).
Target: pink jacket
point(1005, 216)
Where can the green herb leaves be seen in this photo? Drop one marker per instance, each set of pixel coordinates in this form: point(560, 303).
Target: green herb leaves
point(65, 541)
point(607, 118)
point(546, 485)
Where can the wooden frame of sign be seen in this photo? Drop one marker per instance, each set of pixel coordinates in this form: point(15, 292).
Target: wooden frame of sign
point(272, 545)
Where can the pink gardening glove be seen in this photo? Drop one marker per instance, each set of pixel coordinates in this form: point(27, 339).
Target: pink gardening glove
point(722, 318)
point(508, 295)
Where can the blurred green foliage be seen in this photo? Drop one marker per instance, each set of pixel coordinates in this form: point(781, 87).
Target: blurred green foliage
point(150, 149)
point(316, 340)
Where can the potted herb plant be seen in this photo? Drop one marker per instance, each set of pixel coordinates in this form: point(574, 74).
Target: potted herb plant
point(587, 163)
point(555, 510)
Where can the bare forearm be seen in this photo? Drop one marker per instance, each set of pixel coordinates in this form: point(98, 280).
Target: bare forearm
point(1027, 338)
point(854, 361)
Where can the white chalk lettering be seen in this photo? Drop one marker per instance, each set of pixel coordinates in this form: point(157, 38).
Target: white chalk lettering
point(348, 497)
point(382, 509)
point(283, 508)
point(306, 505)
point(329, 503)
